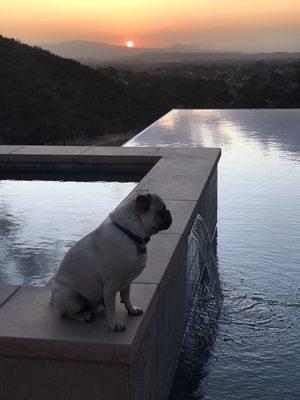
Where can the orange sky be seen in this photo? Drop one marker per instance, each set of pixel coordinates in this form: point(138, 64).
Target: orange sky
point(249, 25)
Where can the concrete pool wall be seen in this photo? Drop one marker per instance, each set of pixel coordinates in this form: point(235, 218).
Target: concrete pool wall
point(44, 357)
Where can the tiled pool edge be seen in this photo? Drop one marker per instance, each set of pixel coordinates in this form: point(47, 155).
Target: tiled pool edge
point(144, 355)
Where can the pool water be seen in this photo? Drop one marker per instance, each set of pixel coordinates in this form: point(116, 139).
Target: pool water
point(252, 349)
point(40, 220)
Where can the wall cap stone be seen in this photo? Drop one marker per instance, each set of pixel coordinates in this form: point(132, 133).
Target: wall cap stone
point(29, 326)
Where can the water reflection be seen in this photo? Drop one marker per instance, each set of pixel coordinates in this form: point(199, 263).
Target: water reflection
point(40, 220)
point(254, 350)
point(277, 129)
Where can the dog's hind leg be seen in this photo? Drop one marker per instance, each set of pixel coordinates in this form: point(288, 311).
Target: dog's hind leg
point(68, 303)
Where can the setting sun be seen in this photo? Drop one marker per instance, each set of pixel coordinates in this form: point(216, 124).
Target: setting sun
point(129, 43)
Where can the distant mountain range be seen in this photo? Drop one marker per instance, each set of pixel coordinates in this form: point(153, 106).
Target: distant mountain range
point(99, 53)
point(79, 49)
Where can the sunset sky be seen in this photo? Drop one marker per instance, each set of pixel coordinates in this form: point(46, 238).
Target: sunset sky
point(247, 25)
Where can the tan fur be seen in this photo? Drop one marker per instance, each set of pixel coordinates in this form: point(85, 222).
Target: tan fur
point(105, 262)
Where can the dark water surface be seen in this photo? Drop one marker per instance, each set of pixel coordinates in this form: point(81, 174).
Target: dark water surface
point(40, 220)
point(252, 350)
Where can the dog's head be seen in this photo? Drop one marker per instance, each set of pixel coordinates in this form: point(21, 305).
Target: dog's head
point(152, 212)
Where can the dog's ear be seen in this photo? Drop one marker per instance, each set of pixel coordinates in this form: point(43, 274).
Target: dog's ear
point(143, 202)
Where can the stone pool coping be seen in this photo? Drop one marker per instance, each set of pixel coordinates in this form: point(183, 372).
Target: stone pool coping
point(29, 327)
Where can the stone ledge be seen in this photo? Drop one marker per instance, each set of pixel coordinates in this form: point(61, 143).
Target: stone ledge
point(47, 379)
point(76, 154)
point(107, 154)
point(175, 187)
point(185, 166)
point(5, 150)
point(162, 251)
point(188, 152)
point(46, 153)
point(6, 292)
point(9, 148)
point(183, 213)
point(118, 155)
point(29, 327)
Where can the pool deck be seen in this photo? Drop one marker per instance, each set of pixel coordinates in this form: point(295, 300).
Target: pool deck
point(43, 356)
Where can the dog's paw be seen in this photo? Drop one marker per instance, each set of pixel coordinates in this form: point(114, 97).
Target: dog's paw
point(135, 311)
point(84, 316)
point(117, 326)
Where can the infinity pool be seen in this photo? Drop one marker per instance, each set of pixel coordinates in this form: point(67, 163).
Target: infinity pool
point(40, 220)
point(252, 350)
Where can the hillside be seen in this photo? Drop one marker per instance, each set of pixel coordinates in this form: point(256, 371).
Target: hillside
point(47, 99)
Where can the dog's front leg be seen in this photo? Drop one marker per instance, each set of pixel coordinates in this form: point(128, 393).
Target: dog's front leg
point(125, 298)
point(109, 292)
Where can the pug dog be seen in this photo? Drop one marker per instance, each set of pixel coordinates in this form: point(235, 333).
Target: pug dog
point(108, 259)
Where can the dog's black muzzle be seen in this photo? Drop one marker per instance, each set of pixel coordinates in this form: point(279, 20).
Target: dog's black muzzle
point(166, 221)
